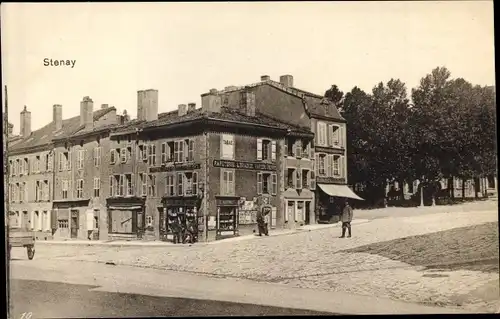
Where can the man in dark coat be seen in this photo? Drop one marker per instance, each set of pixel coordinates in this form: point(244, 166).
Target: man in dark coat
point(261, 221)
point(346, 219)
point(191, 226)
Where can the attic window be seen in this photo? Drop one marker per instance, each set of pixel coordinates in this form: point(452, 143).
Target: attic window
point(30, 139)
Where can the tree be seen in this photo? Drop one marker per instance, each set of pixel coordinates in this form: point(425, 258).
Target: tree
point(335, 95)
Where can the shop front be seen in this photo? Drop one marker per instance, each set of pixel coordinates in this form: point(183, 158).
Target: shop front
point(226, 219)
point(69, 219)
point(331, 199)
point(299, 208)
point(176, 212)
point(126, 217)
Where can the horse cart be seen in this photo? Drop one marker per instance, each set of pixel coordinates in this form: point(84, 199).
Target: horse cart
point(22, 238)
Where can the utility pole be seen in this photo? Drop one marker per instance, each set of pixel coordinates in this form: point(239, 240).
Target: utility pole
point(6, 194)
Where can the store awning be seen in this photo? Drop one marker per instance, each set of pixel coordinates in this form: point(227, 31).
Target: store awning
point(339, 191)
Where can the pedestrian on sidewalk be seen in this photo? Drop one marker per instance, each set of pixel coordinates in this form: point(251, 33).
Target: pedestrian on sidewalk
point(261, 221)
point(346, 219)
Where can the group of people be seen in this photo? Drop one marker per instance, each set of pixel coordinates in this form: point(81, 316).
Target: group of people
point(184, 226)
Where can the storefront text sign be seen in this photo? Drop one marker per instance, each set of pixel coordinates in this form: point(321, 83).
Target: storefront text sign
point(330, 180)
point(226, 202)
point(175, 167)
point(253, 166)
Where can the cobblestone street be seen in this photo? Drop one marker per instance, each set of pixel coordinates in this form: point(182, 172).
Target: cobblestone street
point(314, 259)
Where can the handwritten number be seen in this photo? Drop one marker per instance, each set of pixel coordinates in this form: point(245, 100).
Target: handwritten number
point(27, 315)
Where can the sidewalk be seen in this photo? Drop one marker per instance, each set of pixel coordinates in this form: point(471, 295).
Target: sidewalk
point(123, 243)
point(177, 284)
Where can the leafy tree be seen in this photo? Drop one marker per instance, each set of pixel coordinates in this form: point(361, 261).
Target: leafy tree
point(335, 95)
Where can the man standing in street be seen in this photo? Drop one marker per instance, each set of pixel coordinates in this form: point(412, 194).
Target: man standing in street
point(346, 219)
point(261, 221)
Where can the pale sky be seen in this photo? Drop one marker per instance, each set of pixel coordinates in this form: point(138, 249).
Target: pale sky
point(185, 49)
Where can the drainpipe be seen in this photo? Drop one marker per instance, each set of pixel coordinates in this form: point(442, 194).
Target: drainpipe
point(205, 203)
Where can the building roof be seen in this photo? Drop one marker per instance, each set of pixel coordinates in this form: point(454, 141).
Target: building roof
point(226, 114)
point(46, 134)
point(316, 105)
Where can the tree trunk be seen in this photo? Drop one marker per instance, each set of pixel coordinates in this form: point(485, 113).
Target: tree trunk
point(422, 196)
point(476, 187)
point(463, 188)
point(451, 188)
point(402, 190)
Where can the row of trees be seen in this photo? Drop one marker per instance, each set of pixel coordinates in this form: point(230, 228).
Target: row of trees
point(447, 130)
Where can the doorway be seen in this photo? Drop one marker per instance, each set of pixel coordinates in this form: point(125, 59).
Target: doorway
point(74, 224)
point(308, 213)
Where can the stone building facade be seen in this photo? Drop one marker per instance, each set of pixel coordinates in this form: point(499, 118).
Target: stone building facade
point(264, 146)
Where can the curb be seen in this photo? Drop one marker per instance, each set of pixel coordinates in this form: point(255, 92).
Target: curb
point(217, 242)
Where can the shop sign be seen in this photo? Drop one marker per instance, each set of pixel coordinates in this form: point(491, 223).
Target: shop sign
point(226, 202)
point(252, 166)
point(247, 217)
point(175, 167)
point(330, 180)
point(181, 202)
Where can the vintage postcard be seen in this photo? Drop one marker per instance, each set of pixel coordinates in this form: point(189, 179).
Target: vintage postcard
point(249, 158)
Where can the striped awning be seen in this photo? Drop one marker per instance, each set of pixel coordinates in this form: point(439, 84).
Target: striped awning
point(339, 191)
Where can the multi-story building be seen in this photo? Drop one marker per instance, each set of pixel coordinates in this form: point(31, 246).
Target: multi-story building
point(81, 170)
point(31, 166)
point(264, 146)
point(224, 162)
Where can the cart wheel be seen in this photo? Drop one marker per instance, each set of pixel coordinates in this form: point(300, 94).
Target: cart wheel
point(31, 252)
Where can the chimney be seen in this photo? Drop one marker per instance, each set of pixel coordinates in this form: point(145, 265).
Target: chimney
point(265, 78)
point(10, 129)
point(25, 122)
point(230, 88)
point(211, 102)
point(57, 117)
point(247, 105)
point(147, 105)
point(182, 110)
point(125, 116)
point(286, 80)
point(87, 112)
point(191, 107)
point(104, 106)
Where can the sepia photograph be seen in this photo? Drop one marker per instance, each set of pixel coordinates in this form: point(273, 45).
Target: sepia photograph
point(249, 158)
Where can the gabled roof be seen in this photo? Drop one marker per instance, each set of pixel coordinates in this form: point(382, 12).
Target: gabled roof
point(226, 114)
point(46, 134)
point(315, 105)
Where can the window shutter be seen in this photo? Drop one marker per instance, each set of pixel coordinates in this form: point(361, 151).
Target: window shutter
point(330, 135)
point(329, 165)
point(318, 133)
point(341, 166)
point(273, 150)
point(341, 136)
point(231, 182)
point(259, 149)
point(53, 219)
point(312, 180)
point(145, 152)
point(132, 184)
point(316, 163)
point(294, 178)
point(69, 160)
point(259, 183)
point(274, 188)
point(299, 179)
